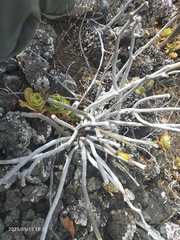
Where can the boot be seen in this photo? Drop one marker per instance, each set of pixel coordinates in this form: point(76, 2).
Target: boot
point(97, 7)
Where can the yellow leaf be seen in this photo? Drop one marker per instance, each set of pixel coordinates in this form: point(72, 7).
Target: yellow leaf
point(110, 188)
point(173, 46)
point(164, 141)
point(27, 92)
point(172, 55)
point(149, 85)
point(166, 32)
point(147, 33)
point(140, 89)
point(123, 155)
point(25, 104)
point(177, 162)
point(175, 168)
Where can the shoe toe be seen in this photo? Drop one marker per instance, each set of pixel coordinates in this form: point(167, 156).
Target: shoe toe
point(104, 7)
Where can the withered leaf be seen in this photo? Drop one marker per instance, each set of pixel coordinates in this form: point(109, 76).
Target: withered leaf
point(68, 224)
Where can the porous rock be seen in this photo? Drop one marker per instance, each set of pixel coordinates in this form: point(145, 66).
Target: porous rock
point(34, 59)
point(16, 135)
point(119, 226)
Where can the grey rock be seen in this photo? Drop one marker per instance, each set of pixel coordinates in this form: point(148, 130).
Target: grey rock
point(78, 213)
point(13, 218)
point(34, 68)
point(74, 188)
point(8, 66)
point(93, 184)
point(119, 226)
point(13, 199)
point(12, 82)
point(78, 173)
point(43, 43)
point(34, 227)
point(6, 236)
point(158, 207)
point(34, 59)
point(28, 215)
point(1, 111)
point(146, 62)
point(64, 79)
point(6, 101)
point(69, 198)
point(1, 226)
point(15, 144)
point(170, 231)
point(88, 236)
point(58, 210)
point(43, 131)
point(18, 235)
point(26, 191)
point(34, 193)
point(41, 172)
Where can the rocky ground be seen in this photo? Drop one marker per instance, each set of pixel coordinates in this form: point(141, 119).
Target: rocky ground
point(54, 60)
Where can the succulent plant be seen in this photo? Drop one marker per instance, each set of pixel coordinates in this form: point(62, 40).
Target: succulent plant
point(164, 141)
point(52, 108)
point(143, 88)
point(34, 101)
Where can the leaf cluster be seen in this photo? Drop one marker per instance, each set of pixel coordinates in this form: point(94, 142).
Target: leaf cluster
point(172, 46)
point(35, 102)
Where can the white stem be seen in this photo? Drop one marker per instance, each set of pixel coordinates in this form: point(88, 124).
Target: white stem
point(85, 192)
point(58, 193)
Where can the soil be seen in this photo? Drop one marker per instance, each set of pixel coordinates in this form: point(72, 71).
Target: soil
point(54, 59)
